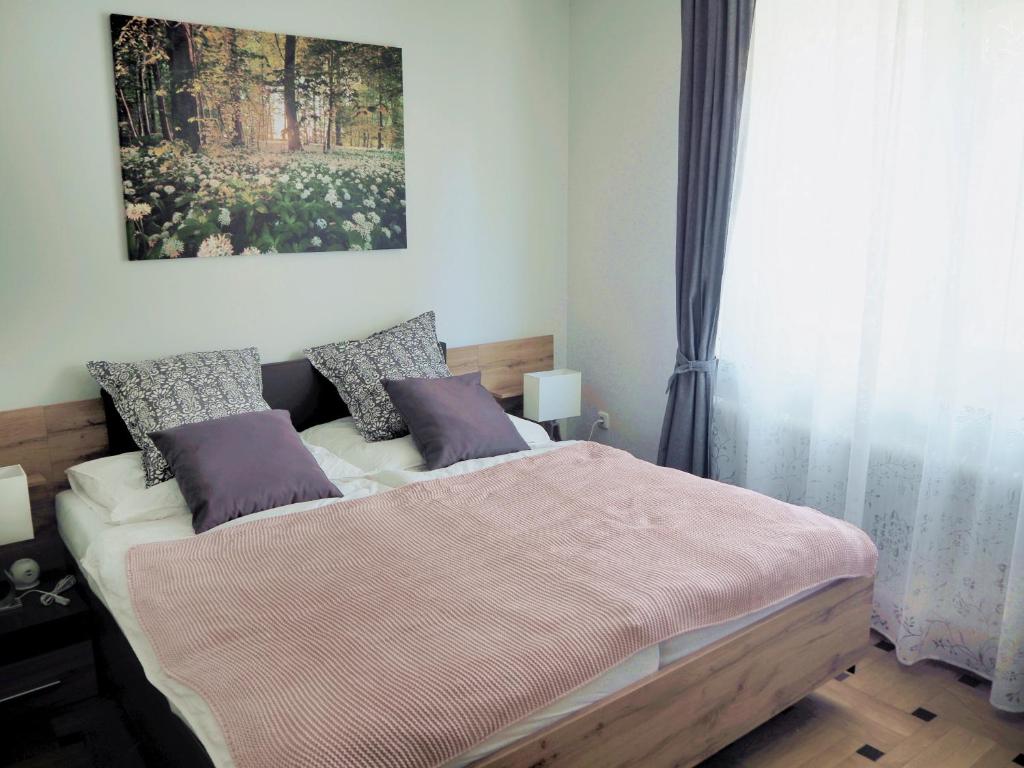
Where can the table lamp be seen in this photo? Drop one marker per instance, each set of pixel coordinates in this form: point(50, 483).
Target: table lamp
point(551, 395)
point(15, 526)
point(15, 511)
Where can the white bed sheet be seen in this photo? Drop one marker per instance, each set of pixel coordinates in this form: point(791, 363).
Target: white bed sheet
point(78, 523)
point(100, 548)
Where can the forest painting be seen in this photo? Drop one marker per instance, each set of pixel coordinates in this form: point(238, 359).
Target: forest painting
point(236, 142)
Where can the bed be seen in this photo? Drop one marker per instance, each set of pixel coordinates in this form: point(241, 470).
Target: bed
point(673, 703)
point(80, 526)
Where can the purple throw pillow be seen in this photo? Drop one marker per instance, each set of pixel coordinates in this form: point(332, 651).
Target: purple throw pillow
point(236, 465)
point(454, 419)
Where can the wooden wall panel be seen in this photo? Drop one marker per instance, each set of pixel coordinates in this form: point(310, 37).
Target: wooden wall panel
point(463, 360)
point(503, 363)
point(23, 440)
point(46, 440)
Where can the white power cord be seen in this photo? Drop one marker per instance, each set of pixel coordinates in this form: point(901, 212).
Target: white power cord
point(55, 595)
point(592, 428)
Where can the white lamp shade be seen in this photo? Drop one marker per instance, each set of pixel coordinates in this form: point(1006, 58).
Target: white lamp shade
point(550, 395)
point(15, 511)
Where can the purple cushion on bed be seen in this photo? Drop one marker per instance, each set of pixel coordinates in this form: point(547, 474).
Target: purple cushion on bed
point(454, 419)
point(237, 465)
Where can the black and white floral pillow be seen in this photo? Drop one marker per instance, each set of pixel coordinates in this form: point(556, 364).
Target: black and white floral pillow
point(159, 394)
point(359, 368)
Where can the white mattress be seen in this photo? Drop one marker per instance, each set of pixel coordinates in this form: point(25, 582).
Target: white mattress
point(81, 527)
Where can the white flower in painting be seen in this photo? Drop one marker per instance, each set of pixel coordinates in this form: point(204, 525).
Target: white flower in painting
point(396, 229)
point(298, 185)
point(176, 217)
point(155, 195)
point(270, 252)
point(172, 248)
point(190, 179)
point(224, 217)
point(215, 245)
point(305, 194)
point(370, 202)
point(284, 178)
point(250, 251)
point(345, 194)
point(390, 192)
point(169, 189)
point(374, 217)
point(321, 223)
point(339, 204)
point(355, 247)
point(316, 242)
point(152, 240)
point(348, 226)
point(165, 225)
point(135, 211)
point(385, 231)
point(331, 196)
point(359, 218)
point(373, 188)
point(213, 183)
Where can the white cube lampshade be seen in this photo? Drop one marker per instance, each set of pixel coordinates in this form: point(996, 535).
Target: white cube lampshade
point(550, 395)
point(15, 512)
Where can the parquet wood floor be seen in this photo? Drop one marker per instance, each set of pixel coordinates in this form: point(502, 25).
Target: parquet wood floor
point(885, 714)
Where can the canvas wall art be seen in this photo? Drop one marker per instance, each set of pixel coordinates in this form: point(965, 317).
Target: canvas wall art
point(235, 142)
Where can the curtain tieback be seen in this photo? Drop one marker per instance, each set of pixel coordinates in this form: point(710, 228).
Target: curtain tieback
point(683, 365)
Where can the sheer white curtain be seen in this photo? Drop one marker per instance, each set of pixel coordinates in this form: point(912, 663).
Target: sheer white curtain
point(872, 322)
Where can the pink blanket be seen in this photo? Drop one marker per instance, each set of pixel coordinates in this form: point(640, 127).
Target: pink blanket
point(402, 629)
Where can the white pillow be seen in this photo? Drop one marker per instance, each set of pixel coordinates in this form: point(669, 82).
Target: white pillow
point(341, 438)
point(533, 433)
point(335, 467)
point(115, 486)
point(153, 503)
point(104, 482)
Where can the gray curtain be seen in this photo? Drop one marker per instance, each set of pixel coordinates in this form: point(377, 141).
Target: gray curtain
point(716, 39)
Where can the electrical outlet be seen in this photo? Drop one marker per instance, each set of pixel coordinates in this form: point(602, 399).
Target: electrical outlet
point(604, 420)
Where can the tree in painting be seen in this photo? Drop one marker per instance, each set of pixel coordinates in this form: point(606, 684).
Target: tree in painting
point(242, 142)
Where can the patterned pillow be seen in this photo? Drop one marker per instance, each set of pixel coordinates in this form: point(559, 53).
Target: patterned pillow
point(359, 368)
point(183, 389)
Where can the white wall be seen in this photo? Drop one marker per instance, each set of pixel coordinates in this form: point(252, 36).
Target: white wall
point(623, 135)
point(486, 102)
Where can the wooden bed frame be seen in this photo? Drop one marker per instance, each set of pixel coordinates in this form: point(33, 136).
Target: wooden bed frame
point(703, 702)
point(674, 718)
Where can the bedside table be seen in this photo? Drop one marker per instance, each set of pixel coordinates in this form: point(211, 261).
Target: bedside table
point(46, 654)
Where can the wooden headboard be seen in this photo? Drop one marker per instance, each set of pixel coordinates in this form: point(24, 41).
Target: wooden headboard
point(48, 439)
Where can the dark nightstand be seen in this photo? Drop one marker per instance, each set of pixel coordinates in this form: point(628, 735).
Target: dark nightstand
point(46, 654)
